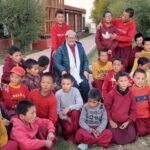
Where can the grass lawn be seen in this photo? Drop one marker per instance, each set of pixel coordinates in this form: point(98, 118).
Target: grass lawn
point(142, 143)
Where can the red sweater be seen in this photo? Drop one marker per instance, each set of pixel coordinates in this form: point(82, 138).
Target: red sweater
point(58, 35)
point(8, 65)
point(133, 52)
point(126, 32)
point(142, 97)
point(12, 95)
point(46, 105)
point(108, 84)
point(120, 108)
point(103, 39)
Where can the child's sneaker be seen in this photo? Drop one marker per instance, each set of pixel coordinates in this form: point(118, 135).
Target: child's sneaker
point(83, 146)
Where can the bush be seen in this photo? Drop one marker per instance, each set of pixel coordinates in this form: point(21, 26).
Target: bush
point(23, 19)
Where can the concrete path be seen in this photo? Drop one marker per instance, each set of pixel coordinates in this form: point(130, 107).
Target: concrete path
point(88, 44)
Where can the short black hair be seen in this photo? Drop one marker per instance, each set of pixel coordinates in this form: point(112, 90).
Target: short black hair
point(68, 76)
point(103, 50)
point(23, 106)
point(121, 74)
point(59, 11)
point(139, 70)
point(143, 60)
point(130, 11)
point(118, 59)
point(43, 61)
point(95, 94)
point(106, 13)
point(146, 39)
point(138, 35)
point(13, 49)
point(48, 74)
point(29, 63)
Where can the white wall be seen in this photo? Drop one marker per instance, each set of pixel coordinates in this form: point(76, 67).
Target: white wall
point(85, 4)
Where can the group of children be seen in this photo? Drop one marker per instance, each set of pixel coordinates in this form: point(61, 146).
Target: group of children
point(116, 111)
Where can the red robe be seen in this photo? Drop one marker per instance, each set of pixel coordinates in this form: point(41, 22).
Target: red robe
point(46, 105)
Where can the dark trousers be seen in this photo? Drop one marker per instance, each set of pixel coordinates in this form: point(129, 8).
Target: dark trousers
point(83, 88)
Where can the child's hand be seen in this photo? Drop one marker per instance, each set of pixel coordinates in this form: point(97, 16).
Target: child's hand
point(94, 133)
point(50, 136)
point(65, 111)
point(137, 54)
point(48, 144)
point(68, 119)
point(6, 122)
point(110, 52)
point(113, 124)
point(124, 125)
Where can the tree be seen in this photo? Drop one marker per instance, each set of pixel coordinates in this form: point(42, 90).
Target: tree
point(23, 19)
point(140, 7)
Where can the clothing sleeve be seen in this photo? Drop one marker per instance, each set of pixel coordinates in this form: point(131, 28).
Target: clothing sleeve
point(79, 101)
point(82, 120)
point(85, 62)
point(108, 104)
point(98, 39)
point(104, 121)
point(25, 142)
point(53, 111)
point(95, 71)
point(54, 39)
point(58, 61)
point(130, 35)
point(59, 112)
point(105, 87)
point(132, 112)
point(49, 124)
point(6, 71)
point(135, 65)
point(3, 134)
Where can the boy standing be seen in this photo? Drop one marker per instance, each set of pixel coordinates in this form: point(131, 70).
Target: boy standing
point(44, 98)
point(100, 69)
point(121, 110)
point(31, 78)
point(142, 96)
point(109, 80)
point(27, 127)
point(14, 58)
point(93, 122)
point(126, 27)
point(103, 35)
point(58, 32)
point(69, 104)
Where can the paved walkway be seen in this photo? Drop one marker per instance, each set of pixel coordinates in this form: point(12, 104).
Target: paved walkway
point(88, 44)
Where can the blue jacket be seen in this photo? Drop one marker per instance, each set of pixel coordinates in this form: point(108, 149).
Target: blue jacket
point(61, 59)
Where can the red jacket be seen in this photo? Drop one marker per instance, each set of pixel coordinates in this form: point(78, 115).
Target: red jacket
point(12, 95)
point(46, 105)
point(133, 52)
point(58, 35)
point(126, 32)
point(120, 108)
point(25, 135)
point(103, 39)
point(142, 97)
point(108, 84)
point(8, 65)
